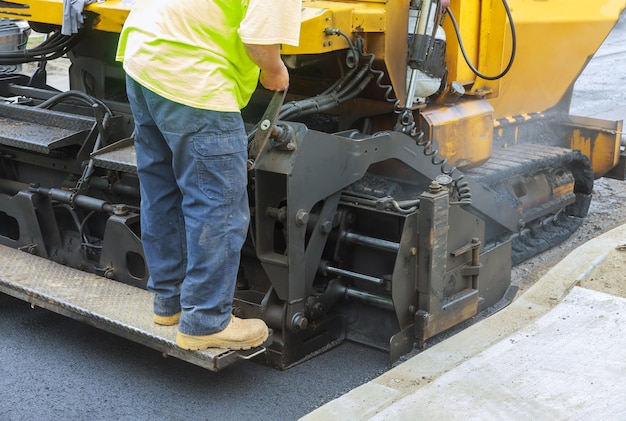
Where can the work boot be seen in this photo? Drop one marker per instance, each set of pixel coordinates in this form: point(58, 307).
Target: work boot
point(239, 334)
point(167, 320)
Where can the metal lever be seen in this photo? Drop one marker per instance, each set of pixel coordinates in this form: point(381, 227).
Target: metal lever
point(266, 126)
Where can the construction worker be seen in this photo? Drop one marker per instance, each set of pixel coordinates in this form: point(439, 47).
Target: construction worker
point(191, 66)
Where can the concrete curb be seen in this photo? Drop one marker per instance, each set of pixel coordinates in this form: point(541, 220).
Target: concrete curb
point(390, 388)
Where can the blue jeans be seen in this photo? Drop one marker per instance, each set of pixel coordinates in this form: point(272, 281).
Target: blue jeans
point(194, 206)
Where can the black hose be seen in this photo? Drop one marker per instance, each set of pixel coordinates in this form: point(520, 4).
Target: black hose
point(55, 46)
point(467, 60)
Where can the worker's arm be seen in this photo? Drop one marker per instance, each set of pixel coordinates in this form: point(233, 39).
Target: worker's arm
point(274, 74)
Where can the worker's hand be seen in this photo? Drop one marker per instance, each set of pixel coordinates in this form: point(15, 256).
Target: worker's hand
point(445, 4)
point(275, 80)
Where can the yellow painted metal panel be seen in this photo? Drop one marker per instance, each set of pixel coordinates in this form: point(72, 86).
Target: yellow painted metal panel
point(555, 38)
point(491, 57)
point(396, 45)
point(318, 16)
point(463, 132)
point(596, 138)
point(369, 20)
point(467, 14)
point(111, 14)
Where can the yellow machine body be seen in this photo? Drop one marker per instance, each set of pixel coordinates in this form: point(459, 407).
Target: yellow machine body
point(555, 39)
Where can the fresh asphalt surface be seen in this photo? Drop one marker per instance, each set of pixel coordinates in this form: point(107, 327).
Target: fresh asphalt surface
point(54, 368)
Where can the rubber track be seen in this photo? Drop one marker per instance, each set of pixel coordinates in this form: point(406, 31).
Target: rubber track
point(519, 159)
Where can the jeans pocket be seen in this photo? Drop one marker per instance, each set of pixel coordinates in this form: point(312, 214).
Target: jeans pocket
point(222, 177)
point(220, 153)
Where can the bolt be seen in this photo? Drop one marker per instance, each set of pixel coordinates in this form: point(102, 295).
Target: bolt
point(413, 251)
point(265, 124)
point(299, 322)
point(326, 227)
point(475, 252)
point(443, 179)
point(109, 273)
point(434, 187)
point(457, 89)
point(120, 210)
point(302, 217)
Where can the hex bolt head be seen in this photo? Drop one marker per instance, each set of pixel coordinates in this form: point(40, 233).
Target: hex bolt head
point(299, 322)
point(302, 217)
point(326, 226)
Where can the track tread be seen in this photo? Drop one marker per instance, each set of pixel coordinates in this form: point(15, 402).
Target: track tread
point(520, 159)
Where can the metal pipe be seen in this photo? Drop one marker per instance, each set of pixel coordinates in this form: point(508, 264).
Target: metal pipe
point(12, 187)
point(73, 199)
point(376, 243)
point(117, 187)
point(368, 298)
point(326, 269)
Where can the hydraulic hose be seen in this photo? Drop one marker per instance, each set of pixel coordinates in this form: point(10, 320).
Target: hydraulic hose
point(55, 46)
point(513, 45)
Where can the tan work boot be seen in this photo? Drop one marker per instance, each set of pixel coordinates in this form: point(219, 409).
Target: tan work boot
point(167, 320)
point(239, 334)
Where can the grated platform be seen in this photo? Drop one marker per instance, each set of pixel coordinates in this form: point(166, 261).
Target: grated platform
point(108, 305)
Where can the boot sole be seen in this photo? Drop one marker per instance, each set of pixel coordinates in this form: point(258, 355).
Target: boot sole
point(235, 346)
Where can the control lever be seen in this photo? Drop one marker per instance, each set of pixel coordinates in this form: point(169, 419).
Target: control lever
point(265, 128)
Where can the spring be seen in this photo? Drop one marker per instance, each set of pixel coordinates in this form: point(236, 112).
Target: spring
point(460, 187)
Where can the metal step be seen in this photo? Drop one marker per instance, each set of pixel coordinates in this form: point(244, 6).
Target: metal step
point(41, 130)
point(118, 308)
point(119, 156)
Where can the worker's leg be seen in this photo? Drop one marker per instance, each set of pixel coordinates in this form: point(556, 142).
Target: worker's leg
point(162, 223)
point(209, 154)
point(210, 165)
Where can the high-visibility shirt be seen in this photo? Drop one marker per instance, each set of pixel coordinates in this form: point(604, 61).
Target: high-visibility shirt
point(192, 51)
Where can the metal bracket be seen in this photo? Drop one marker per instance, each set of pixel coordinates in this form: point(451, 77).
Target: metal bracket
point(250, 353)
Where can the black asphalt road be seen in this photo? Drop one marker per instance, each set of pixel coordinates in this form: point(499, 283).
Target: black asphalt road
point(53, 368)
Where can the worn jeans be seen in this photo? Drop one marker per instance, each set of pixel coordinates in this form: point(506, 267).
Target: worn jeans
point(194, 206)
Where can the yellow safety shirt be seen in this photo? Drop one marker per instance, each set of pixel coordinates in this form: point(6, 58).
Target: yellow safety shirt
point(192, 51)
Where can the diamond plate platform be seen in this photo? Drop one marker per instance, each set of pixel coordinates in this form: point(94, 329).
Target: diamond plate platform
point(118, 308)
point(119, 156)
point(41, 130)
